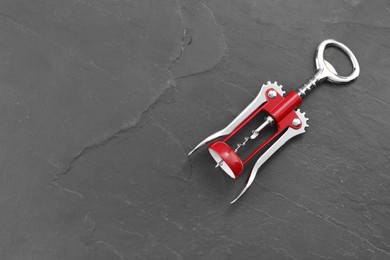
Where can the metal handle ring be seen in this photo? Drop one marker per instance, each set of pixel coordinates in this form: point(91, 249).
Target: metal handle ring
point(327, 71)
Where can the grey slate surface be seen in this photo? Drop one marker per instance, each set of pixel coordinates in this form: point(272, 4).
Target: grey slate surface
point(102, 100)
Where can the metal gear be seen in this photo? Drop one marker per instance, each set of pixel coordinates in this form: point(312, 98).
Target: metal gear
point(303, 118)
point(278, 88)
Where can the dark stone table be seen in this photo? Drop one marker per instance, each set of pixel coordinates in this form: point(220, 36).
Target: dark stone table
point(102, 100)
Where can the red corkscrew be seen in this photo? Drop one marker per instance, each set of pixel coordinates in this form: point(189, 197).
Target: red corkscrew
point(281, 111)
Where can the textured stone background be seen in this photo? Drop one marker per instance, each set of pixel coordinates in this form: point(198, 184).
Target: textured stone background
point(102, 100)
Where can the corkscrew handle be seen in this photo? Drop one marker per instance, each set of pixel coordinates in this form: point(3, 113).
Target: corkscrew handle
point(325, 70)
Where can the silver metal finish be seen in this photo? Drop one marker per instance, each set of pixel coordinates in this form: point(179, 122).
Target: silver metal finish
point(268, 121)
point(325, 70)
point(246, 139)
point(290, 133)
point(258, 101)
point(296, 122)
point(272, 94)
point(220, 163)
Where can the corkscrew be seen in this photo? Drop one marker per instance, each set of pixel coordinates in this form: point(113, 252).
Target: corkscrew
point(281, 111)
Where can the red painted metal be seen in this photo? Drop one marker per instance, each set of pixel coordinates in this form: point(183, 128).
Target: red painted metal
point(289, 103)
point(228, 156)
point(280, 108)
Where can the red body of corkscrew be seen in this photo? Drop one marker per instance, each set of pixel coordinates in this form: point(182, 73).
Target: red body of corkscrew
point(280, 108)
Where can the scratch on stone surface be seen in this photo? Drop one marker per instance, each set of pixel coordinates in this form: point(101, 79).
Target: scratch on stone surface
point(24, 28)
point(165, 217)
point(108, 246)
point(125, 200)
point(326, 219)
point(367, 26)
point(177, 141)
point(89, 220)
point(54, 162)
point(133, 233)
point(318, 255)
point(169, 133)
point(87, 216)
point(78, 194)
point(51, 161)
point(179, 256)
point(269, 215)
point(236, 86)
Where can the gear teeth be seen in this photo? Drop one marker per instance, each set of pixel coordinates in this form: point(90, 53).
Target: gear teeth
point(281, 88)
point(303, 118)
point(278, 88)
